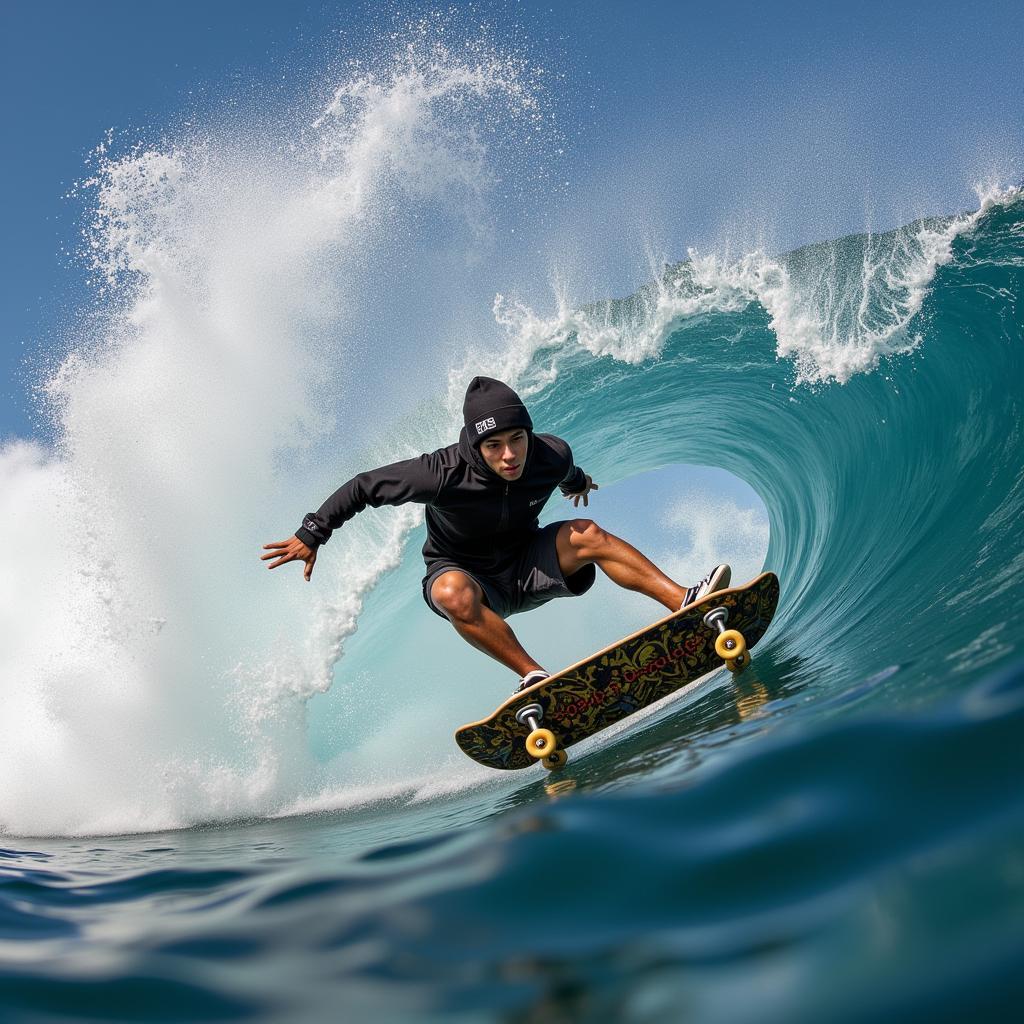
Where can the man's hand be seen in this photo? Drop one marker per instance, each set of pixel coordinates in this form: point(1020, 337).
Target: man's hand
point(591, 486)
point(290, 550)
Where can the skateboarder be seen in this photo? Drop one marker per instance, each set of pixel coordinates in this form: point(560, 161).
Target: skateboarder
point(486, 555)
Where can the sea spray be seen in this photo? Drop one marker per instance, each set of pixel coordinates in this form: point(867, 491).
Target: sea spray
point(160, 673)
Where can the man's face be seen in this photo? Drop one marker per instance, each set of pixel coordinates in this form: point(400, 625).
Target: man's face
point(505, 452)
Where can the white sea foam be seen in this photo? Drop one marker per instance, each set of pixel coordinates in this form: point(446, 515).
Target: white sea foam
point(834, 319)
point(835, 312)
point(153, 673)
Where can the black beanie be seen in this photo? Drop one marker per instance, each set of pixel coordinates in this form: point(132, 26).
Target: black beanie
point(491, 406)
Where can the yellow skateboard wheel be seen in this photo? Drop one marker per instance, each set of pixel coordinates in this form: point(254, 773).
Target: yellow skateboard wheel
point(556, 759)
point(730, 645)
point(540, 743)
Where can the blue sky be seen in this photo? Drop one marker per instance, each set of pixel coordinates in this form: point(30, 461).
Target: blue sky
point(798, 120)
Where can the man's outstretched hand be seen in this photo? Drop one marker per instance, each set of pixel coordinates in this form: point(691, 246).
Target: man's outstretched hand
point(591, 486)
point(290, 550)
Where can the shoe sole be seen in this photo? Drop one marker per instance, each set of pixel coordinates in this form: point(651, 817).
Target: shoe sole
point(719, 581)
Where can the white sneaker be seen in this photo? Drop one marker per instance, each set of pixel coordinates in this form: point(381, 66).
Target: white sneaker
point(717, 579)
point(536, 676)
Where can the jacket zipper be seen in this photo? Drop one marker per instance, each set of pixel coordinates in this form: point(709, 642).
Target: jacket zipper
point(504, 510)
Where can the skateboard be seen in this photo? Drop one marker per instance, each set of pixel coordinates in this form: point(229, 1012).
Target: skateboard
point(538, 723)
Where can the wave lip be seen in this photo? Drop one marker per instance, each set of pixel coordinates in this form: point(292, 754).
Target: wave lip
point(837, 309)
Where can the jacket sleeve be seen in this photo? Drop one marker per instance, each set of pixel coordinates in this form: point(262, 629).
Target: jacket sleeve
point(418, 479)
point(575, 480)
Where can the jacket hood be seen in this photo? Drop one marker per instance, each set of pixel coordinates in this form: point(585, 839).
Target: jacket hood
point(470, 453)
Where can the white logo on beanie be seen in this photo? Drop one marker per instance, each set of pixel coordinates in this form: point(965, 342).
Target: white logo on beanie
point(487, 424)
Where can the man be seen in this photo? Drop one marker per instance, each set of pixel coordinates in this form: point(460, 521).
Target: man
point(487, 557)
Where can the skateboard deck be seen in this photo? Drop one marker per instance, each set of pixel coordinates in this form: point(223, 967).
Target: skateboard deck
point(623, 678)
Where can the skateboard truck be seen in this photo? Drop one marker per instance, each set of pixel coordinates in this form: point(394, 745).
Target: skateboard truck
point(531, 715)
point(541, 743)
point(729, 644)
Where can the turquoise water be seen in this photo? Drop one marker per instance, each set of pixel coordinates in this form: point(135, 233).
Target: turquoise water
point(836, 835)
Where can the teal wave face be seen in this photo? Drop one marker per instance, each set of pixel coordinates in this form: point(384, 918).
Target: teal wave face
point(894, 499)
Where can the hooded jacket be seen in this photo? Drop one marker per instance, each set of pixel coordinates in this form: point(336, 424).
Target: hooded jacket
point(474, 518)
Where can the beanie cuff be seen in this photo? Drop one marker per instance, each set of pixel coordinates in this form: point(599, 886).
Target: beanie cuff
point(507, 417)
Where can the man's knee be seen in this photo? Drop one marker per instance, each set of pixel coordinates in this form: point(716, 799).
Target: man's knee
point(586, 538)
point(458, 596)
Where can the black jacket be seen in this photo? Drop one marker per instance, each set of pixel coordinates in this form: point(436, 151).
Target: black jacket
point(474, 518)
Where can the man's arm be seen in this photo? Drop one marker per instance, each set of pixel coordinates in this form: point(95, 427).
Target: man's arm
point(418, 479)
point(576, 484)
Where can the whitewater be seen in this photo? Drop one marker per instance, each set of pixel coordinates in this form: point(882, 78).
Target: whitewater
point(179, 721)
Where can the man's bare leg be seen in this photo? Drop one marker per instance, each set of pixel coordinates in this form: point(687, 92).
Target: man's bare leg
point(582, 541)
point(459, 596)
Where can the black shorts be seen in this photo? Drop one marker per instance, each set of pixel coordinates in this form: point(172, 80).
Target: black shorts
point(532, 578)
